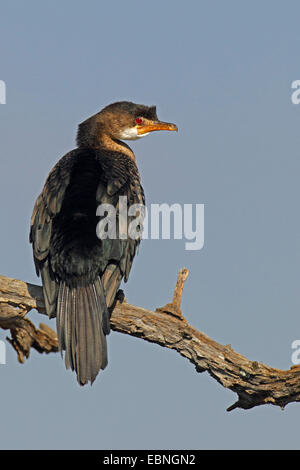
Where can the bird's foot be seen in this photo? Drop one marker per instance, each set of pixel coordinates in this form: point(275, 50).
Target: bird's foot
point(120, 296)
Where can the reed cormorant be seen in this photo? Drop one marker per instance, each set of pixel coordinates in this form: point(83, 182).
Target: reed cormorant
point(80, 272)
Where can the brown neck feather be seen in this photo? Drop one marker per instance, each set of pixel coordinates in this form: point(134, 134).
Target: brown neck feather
point(114, 145)
point(94, 133)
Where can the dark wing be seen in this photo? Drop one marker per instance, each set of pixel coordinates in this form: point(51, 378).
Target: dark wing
point(117, 254)
point(115, 257)
point(47, 206)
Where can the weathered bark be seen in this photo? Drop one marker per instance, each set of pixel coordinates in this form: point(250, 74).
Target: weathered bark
point(255, 383)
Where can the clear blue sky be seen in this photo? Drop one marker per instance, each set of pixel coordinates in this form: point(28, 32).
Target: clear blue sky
point(222, 71)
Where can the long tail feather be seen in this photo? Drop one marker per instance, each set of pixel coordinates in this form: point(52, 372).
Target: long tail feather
point(82, 322)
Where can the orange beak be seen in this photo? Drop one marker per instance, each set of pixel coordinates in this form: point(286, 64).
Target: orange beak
point(152, 126)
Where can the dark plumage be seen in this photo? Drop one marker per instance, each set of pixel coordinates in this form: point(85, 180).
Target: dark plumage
point(81, 274)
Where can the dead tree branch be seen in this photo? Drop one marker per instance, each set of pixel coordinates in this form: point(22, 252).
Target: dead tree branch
point(254, 382)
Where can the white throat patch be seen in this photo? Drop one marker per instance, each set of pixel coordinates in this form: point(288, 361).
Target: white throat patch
point(131, 134)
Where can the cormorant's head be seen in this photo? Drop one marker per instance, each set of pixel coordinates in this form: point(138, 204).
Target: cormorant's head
point(123, 121)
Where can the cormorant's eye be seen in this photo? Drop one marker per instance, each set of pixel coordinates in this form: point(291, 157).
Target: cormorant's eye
point(139, 120)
